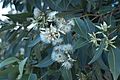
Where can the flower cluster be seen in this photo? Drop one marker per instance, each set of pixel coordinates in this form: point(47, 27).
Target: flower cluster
point(103, 31)
point(61, 54)
point(57, 26)
point(52, 28)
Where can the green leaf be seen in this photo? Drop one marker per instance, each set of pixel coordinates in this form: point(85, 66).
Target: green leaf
point(63, 5)
point(25, 77)
point(45, 62)
point(98, 52)
point(5, 3)
point(29, 5)
point(35, 41)
point(19, 17)
point(32, 77)
point(90, 25)
point(66, 74)
point(80, 27)
point(105, 9)
point(8, 61)
point(13, 73)
point(21, 67)
point(9, 73)
point(80, 43)
point(114, 62)
point(7, 27)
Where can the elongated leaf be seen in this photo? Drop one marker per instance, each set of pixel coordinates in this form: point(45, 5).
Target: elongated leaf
point(7, 27)
point(45, 62)
point(11, 71)
point(64, 5)
point(105, 9)
point(21, 67)
point(32, 77)
point(98, 52)
point(80, 27)
point(19, 17)
point(80, 43)
point(5, 3)
point(35, 41)
point(8, 61)
point(90, 25)
point(66, 74)
point(114, 62)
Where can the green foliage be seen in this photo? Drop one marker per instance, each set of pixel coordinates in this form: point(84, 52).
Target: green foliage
point(21, 67)
point(66, 74)
point(98, 52)
point(113, 60)
point(96, 45)
point(8, 61)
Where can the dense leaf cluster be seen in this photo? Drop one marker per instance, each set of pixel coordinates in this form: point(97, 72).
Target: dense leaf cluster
point(23, 56)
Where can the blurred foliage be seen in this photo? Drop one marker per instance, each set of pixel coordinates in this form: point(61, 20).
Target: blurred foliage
point(25, 57)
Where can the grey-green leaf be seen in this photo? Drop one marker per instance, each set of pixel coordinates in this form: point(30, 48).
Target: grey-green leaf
point(80, 27)
point(66, 74)
point(98, 52)
point(8, 61)
point(114, 62)
point(21, 67)
point(80, 43)
point(32, 77)
point(45, 62)
point(35, 41)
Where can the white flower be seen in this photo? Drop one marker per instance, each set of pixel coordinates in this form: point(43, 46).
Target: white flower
point(109, 42)
point(36, 12)
point(64, 28)
point(71, 22)
point(69, 58)
point(22, 51)
point(59, 57)
point(57, 41)
point(49, 35)
point(61, 54)
point(0, 40)
point(0, 26)
point(17, 27)
point(61, 28)
point(94, 39)
point(103, 26)
point(53, 29)
point(32, 25)
point(44, 38)
point(51, 16)
point(67, 28)
point(67, 65)
point(67, 48)
point(58, 48)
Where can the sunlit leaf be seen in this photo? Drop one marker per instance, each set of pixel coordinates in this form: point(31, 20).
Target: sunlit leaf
point(21, 67)
point(35, 41)
point(114, 62)
point(7, 27)
point(8, 61)
point(98, 52)
point(19, 17)
point(80, 27)
point(45, 62)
